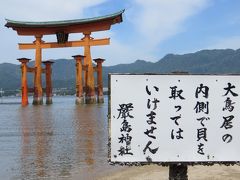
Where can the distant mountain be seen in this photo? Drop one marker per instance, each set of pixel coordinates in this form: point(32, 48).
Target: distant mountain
point(205, 61)
point(202, 62)
point(10, 76)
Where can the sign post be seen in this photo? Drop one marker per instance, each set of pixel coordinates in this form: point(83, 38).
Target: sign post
point(178, 172)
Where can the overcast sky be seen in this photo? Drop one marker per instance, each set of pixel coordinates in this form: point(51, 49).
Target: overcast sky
point(150, 28)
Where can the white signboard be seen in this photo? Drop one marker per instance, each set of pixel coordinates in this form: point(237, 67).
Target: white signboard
point(174, 118)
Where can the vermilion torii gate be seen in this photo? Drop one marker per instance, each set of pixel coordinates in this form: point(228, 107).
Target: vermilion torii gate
point(62, 29)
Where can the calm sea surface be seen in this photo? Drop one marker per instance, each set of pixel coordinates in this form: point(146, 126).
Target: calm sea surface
point(58, 141)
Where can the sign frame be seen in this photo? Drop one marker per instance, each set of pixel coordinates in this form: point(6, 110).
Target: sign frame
point(141, 163)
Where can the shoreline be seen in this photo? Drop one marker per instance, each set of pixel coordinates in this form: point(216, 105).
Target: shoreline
point(155, 172)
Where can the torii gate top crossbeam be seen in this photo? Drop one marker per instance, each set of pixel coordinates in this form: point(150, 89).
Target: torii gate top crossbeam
point(100, 23)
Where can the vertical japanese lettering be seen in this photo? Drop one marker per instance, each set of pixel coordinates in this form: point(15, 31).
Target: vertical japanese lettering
point(126, 138)
point(227, 123)
point(152, 105)
point(202, 110)
point(177, 132)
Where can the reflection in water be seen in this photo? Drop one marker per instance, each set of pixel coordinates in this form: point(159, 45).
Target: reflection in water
point(36, 137)
point(90, 140)
point(84, 128)
point(61, 141)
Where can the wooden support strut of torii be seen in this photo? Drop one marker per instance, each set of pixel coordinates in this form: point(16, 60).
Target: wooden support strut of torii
point(25, 89)
point(62, 29)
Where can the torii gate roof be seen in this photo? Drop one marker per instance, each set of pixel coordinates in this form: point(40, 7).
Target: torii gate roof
point(100, 23)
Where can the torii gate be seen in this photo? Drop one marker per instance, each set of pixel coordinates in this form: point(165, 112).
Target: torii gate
point(62, 29)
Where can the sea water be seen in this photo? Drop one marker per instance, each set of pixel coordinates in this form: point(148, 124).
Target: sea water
point(62, 140)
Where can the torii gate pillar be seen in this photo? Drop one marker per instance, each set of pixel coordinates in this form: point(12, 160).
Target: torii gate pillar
point(38, 92)
point(89, 74)
point(79, 81)
point(48, 71)
point(24, 84)
point(100, 98)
